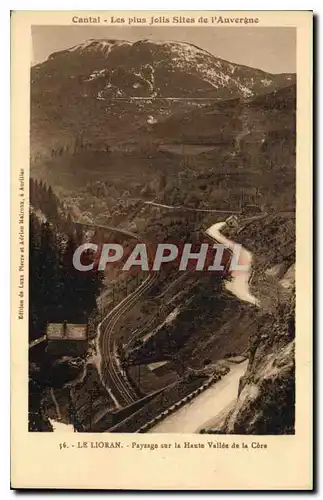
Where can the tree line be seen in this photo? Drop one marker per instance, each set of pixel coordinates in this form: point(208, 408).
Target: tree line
point(57, 291)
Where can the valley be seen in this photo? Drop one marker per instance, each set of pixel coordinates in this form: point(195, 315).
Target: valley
point(162, 142)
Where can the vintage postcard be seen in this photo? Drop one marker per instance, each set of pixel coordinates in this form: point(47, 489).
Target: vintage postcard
point(161, 250)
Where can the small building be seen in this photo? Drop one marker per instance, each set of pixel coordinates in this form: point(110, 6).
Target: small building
point(55, 331)
point(232, 221)
point(67, 331)
point(67, 339)
point(76, 331)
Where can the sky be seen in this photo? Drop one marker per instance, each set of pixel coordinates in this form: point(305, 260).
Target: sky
point(269, 49)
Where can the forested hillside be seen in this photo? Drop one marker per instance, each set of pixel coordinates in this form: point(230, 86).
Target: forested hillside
point(58, 291)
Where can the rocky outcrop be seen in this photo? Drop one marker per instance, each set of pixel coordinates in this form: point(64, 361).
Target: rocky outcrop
point(266, 401)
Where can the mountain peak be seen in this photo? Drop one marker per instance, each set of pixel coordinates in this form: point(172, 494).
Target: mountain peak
point(112, 84)
point(105, 45)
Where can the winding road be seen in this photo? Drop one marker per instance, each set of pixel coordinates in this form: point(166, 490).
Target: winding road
point(239, 284)
point(109, 369)
point(110, 372)
point(190, 209)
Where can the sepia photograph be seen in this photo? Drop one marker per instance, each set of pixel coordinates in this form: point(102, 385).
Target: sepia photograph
point(161, 306)
point(171, 136)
